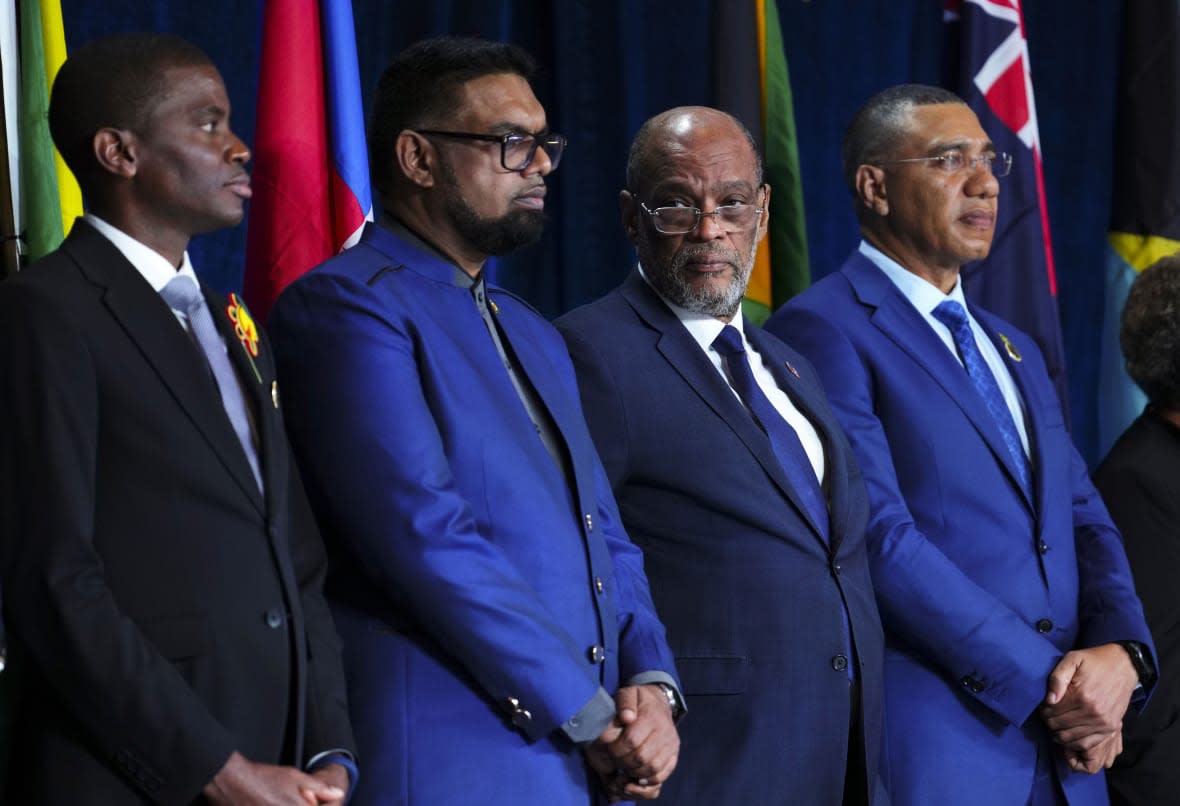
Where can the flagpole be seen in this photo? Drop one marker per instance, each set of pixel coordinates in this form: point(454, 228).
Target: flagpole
point(9, 239)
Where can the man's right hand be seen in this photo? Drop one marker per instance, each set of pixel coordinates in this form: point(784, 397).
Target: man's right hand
point(242, 782)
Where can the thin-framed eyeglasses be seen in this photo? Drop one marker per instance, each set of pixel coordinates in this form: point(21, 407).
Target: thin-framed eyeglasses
point(516, 149)
point(1000, 163)
point(683, 220)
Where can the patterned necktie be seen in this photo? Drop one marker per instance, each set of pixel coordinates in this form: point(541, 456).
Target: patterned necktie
point(952, 314)
point(783, 439)
point(183, 295)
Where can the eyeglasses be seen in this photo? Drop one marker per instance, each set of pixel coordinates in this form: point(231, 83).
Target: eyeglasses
point(683, 220)
point(516, 150)
point(953, 162)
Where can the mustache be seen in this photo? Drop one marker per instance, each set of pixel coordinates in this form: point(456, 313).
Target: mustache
point(710, 251)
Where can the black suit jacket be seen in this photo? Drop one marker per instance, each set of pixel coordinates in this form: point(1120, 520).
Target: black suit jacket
point(1140, 483)
point(753, 597)
point(166, 611)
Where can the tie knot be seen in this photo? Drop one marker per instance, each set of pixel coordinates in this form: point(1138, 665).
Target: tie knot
point(729, 341)
point(182, 294)
point(951, 314)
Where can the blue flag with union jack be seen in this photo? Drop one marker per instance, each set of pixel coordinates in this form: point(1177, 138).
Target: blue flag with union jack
point(988, 67)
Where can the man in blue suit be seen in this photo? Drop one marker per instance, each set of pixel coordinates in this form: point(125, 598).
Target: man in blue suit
point(1014, 639)
point(498, 631)
point(734, 477)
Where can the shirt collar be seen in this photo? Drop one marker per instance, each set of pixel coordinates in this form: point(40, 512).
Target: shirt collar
point(154, 267)
point(922, 294)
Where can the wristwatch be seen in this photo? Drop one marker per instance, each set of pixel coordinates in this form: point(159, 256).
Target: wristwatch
point(673, 701)
point(1138, 661)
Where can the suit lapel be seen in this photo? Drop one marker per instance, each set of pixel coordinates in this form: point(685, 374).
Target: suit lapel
point(897, 319)
point(682, 352)
point(156, 333)
point(256, 376)
point(1033, 423)
point(804, 394)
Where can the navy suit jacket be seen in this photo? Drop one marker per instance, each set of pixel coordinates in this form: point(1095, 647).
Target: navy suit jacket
point(981, 589)
point(483, 598)
point(162, 611)
point(753, 597)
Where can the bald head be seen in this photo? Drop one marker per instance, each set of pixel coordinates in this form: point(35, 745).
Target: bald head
point(675, 131)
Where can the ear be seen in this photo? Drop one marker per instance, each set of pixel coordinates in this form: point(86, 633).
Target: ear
point(416, 158)
point(871, 189)
point(115, 151)
point(764, 219)
point(629, 211)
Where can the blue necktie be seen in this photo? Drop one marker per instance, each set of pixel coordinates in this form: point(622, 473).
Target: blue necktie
point(783, 439)
point(952, 314)
point(183, 295)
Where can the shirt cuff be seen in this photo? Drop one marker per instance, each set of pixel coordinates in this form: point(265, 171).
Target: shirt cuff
point(338, 756)
point(589, 723)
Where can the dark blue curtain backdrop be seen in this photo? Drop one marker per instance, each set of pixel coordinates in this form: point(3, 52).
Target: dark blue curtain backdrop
point(609, 64)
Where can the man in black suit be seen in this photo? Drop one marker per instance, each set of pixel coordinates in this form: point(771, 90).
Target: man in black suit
point(161, 571)
point(1140, 483)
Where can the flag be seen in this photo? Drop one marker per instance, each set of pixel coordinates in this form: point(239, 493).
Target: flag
point(1145, 209)
point(751, 82)
point(49, 195)
point(1017, 280)
point(311, 171)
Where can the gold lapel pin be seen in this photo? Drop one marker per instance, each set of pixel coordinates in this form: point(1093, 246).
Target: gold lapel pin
point(1013, 353)
point(492, 304)
point(791, 369)
point(274, 393)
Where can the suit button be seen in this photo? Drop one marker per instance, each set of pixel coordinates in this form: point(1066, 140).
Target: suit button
point(598, 586)
point(521, 718)
point(836, 569)
point(1044, 626)
point(596, 653)
point(840, 663)
point(1043, 547)
point(971, 684)
point(589, 522)
point(274, 618)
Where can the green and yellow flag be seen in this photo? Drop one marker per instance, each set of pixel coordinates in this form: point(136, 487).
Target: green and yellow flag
point(751, 82)
point(50, 196)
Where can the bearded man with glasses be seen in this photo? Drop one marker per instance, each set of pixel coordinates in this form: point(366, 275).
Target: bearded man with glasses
point(500, 643)
point(1014, 638)
point(735, 479)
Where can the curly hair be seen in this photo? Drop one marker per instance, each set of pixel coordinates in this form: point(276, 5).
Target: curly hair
point(1150, 332)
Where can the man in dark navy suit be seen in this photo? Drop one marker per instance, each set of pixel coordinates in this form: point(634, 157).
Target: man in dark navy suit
point(734, 478)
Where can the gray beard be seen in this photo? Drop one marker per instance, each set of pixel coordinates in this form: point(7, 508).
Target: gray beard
point(672, 283)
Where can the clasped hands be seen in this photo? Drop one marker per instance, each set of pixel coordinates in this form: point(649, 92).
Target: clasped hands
point(1089, 691)
point(637, 752)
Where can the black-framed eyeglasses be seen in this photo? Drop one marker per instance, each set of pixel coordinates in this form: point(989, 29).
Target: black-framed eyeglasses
point(683, 220)
point(516, 149)
point(1000, 164)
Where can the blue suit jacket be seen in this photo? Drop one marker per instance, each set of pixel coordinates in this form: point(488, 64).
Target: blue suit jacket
point(753, 597)
point(981, 590)
point(468, 572)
